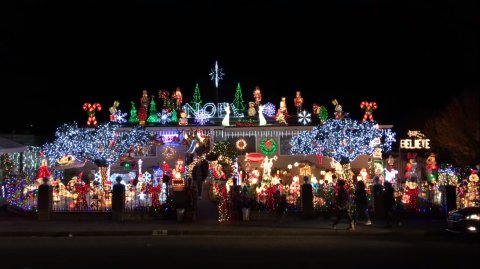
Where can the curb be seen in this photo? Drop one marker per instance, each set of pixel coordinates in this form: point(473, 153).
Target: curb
point(224, 233)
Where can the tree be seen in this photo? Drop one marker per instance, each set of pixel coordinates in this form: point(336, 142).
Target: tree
point(323, 115)
point(133, 114)
point(196, 98)
point(238, 101)
point(226, 149)
point(6, 164)
point(153, 112)
point(102, 145)
point(174, 116)
point(342, 140)
point(456, 129)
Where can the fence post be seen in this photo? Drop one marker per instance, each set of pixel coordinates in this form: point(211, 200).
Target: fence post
point(45, 200)
point(451, 197)
point(118, 200)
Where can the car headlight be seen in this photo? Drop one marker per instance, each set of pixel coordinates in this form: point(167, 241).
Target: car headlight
point(474, 216)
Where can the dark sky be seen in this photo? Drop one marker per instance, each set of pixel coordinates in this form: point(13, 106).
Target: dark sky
point(411, 57)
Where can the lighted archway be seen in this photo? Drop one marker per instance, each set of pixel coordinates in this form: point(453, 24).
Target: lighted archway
point(221, 158)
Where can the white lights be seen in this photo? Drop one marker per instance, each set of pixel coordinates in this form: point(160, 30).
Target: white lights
point(472, 228)
point(304, 117)
point(216, 74)
point(263, 122)
point(475, 216)
point(164, 116)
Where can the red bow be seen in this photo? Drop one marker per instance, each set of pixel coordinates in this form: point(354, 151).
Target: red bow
point(411, 156)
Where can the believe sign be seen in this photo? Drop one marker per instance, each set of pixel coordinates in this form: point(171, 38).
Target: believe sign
point(419, 143)
point(212, 109)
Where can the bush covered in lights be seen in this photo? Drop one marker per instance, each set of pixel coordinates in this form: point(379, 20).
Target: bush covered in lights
point(102, 144)
point(341, 140)
point(226, 149)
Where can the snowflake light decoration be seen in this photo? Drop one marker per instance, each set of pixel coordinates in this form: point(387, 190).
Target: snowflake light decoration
point(119, 117)
point(304, 117)
point(390, 136)
point(164, 116)
point(216, 74)
point(269, 110)
point(147, 177)
point(202, 116)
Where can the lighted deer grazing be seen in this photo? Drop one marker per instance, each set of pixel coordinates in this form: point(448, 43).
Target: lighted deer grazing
point(263, 122)
point(226, 119)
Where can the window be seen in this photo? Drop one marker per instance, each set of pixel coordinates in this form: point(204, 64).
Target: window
point(285, 144)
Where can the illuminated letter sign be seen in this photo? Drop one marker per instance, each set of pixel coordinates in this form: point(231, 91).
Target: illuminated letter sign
point(213, 110)
point(419, 143)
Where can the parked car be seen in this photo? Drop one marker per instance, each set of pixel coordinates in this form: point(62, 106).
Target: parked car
point(465, 220)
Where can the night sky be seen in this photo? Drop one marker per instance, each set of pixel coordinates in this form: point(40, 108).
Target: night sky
point(410, 58)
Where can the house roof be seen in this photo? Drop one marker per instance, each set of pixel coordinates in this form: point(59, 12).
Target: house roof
point(8, 146)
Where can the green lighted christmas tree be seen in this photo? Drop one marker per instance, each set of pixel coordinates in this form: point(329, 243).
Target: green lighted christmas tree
point(196, 98)
point(174, 116)
point(238, 101)
point(153, 112)
point(323, 115)
point(133, 114)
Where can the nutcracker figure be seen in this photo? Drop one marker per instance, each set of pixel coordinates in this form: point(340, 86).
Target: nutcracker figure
point(316, 109)
point(257, 96)
point(178, 98)
point(145, 100)
point(298, 102)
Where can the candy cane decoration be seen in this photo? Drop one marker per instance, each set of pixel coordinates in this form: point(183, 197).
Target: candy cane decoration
point(369, 108)
point(91, 112)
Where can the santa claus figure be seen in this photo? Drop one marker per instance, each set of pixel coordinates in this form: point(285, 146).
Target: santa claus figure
point(154, 192)
point(178, 98)
point(217, 170)
point(43, 173)
point(257, 96)
point(298, 102)
point(179, 166)
point(81, 189)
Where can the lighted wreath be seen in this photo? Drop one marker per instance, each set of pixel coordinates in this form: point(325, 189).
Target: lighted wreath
point(268, 146)
point(241, 144)
point(168, 152)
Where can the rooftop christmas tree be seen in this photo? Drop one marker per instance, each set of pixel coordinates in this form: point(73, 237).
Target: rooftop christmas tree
point(238, 101)
point(153, 112)
point(196, 98)
point(174, 116)
point(323, 115)
point(133, 114)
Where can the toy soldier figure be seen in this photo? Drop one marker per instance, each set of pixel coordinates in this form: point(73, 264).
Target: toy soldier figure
point(298, 103)
point(178, 97)
point(257, 95)
point(145, 100)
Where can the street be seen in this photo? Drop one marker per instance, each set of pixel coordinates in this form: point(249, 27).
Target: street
point(238, 252)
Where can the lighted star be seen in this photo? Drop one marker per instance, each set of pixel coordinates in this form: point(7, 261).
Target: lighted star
point(217, 74)
point(289, 166)
point(295, 164)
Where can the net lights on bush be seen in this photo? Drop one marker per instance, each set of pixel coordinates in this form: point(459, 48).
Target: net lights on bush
point(338, 139)
point(102, 144)
point(201, 116)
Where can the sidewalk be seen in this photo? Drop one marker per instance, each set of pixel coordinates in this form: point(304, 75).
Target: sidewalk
point(296, 227)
